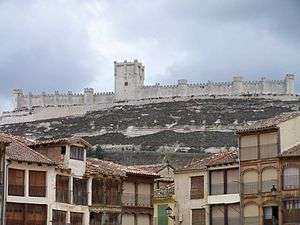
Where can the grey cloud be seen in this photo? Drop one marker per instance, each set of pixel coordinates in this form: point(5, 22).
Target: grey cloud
point(48, 46)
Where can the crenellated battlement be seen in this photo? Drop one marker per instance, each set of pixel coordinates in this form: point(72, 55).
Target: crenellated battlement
point(130, 88)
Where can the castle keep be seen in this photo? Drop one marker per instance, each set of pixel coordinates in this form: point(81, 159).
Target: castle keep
point(130, 89)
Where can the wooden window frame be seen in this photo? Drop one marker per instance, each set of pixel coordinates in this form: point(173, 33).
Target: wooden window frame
point(40, 190)
point(198, 192)
point(15, 189)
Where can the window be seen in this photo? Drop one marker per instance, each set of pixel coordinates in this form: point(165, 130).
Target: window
point(97, 191)
point(76, 218)
point(217, 182)
point(291, 178)
point(197, 187)
point(291, 212)
point(269, 178)
point(198, 217)
point(16, 182)
point(218, 215)
point(250, 182)
point(233, 184)
point(126, 83)
point(113, 196)
point(59, 217)
point(76, 153)
point(251, 215)
point(234, 213)
point(37, 183)
point(80, 191)
point(25, 214)
point(249, 147)
point(62, 189)
point(224, 182)
point(268, 145)
point(95, 218)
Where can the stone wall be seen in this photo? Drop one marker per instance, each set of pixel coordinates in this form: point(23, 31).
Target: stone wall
point(130, 89)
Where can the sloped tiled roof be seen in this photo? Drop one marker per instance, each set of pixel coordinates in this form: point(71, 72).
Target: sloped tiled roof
point(222, 157)
point(95, 166)
point(155, 168)
point(269, 123)
point(18, 150)
point(69, 140)
point(292, 152)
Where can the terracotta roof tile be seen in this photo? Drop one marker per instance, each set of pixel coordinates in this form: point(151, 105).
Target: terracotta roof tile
point(19, 151)
point(95, 166)
point(222, 157)
point(69, 140)
point(155, 168)
point(269, 123)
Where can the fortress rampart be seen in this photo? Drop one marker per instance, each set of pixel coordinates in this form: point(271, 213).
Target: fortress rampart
point(130, 89)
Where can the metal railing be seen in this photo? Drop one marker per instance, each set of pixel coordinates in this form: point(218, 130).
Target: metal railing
point(268, 151)
point(63, 196)
point(37, 191)
point(218, 220)
point(250, 187)
point(234, 220)
point(291, 182)
point(128, 199)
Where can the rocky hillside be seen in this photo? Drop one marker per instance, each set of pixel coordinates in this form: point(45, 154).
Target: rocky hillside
point(194, 125)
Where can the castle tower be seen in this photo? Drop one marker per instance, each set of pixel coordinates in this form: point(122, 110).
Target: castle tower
point(290, 84)
point(17, 98)
point(129, 78)
point(237, 85)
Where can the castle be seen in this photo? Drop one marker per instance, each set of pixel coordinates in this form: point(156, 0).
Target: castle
point(130, 89)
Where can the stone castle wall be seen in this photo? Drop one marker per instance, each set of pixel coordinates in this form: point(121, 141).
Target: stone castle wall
point(130, 89)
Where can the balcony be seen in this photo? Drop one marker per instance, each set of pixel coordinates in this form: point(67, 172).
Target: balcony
point(233, 188)
point(250, 188)
point(16, 190)
point(268, 151)
point(129, 199)
point(63, 196)
point(37, 191)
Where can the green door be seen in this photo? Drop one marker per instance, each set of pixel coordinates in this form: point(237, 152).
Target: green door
point(162, 215)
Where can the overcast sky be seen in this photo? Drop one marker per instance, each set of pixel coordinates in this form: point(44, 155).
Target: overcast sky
point(48, 45)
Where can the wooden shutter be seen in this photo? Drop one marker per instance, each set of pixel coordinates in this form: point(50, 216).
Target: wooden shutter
point(15, 214)
point(197, 187)
point(16, 182)
point(95, 218)
point(36, 214)
point(97, 191)
point(217, 182)
point(76, 218)
point(62, 189)
point(198, 217)
point(233, 178)
point(37, 183)
point(59, 217)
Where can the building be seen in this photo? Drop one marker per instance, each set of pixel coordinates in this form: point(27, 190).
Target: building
point(223, 185)
point(130, 88)
point(263, 148)
point(164, 195)
point(289, 162)
point(53, 182)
